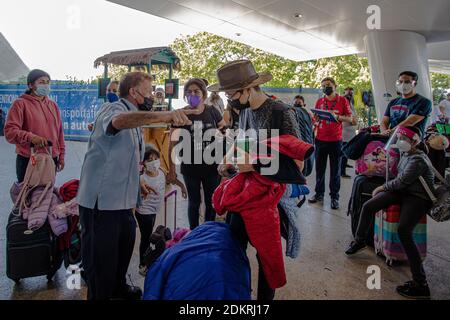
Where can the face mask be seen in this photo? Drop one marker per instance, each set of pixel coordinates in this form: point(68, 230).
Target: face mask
point(328, 91)
point(236, 104)
point(194, 101)
point(153, 166)
point(403, 146)
point(298, 105)
point(405, 88)
point(147, 105)
point(42, 90)
point(112, 97)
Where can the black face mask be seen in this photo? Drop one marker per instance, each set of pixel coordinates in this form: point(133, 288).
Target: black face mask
point(297, 105)
point(328, 90)
point(147, 105)
point(236, 104)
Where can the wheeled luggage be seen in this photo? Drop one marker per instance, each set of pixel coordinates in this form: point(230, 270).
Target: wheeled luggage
point(362, 189)
point(387, 241)
point(30, 253)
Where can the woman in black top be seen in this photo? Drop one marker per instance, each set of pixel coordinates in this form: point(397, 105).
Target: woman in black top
point(197, 171)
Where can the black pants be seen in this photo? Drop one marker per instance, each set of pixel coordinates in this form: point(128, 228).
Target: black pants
point(412, 210)
point(344, 160)
point(323, 151)
point(237, 226)
point(21, 166)
point(146, 222)
point(107, 246)
point(209, 184)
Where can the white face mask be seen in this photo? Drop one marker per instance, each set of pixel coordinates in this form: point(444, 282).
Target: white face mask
point(403, 146)
point(405, 88)
point(153, 166)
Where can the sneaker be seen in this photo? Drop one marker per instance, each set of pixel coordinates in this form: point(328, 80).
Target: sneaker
point(143, 270)
point(334, 204)
point(414, 290)
point(316, 198)
point(346, 176)
point(355, 247)
point(349, 166)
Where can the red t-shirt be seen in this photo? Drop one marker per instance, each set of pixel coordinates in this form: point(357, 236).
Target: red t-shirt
point(332, 131)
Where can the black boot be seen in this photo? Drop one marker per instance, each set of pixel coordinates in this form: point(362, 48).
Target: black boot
point(355, 247)
point(316, 198)
point(414, 290)
point(334, 204)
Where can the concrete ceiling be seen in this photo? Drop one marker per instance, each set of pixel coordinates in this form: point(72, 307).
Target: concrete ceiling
point(327, 27)
point(11, 66)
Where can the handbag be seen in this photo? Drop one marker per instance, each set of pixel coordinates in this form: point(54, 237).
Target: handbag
point(440, 211)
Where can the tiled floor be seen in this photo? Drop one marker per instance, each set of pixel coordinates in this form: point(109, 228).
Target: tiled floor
point(321, 272)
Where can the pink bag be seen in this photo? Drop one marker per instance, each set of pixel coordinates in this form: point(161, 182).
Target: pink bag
point(41, 172)
point(373, 162)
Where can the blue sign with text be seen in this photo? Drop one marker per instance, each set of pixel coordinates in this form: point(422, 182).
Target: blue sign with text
point(78, 105)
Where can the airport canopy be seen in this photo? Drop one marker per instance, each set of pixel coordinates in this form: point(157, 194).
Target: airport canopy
point(11, 65)
point(302, 30)
point(162, 57)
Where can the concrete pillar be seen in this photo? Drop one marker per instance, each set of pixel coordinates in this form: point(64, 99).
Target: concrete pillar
point(391, 52)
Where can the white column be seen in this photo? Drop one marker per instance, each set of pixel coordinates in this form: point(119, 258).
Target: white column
point(391, 52)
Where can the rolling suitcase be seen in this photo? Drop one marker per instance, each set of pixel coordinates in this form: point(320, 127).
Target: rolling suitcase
point(162, 234)
point(387, 242)
point(362, 189)
point(30, 253)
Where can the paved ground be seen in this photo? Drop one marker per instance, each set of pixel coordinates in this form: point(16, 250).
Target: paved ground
point(321, 272)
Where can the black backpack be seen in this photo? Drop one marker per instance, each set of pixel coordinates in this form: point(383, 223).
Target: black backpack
point(305, 125)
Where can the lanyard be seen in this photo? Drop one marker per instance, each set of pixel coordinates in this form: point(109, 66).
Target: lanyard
point(325, 103)
point(137, 132)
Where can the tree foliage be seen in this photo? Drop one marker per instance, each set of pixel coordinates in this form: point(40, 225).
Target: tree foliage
point(440, 84)
point(203, 53)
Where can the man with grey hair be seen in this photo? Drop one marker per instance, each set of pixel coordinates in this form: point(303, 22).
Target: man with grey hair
point(109, 187)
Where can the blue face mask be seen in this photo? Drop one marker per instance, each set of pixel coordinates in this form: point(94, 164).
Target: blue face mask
point(112, 97)
point(42, 90)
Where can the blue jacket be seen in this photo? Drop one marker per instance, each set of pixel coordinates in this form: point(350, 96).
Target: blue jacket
point(208, 264)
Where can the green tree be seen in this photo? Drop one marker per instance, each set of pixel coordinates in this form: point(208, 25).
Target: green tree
point(203, 53)
point(440, 84)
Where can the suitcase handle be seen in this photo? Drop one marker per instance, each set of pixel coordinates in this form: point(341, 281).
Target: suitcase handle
point(167, 196)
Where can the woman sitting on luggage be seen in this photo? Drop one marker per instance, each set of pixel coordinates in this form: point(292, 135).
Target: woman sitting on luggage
point(407, 191)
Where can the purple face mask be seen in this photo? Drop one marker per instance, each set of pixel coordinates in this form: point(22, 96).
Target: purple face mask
point(194, 101)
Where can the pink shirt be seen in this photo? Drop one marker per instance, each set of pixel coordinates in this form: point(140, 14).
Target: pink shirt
point(29, 117)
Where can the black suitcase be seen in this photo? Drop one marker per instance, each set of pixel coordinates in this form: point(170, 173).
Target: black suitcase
point(361, 192)
point(30, 253)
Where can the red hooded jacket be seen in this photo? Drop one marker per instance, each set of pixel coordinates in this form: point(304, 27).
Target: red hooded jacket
point(256, 198)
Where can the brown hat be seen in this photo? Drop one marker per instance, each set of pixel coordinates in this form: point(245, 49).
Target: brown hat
point(237, 75)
